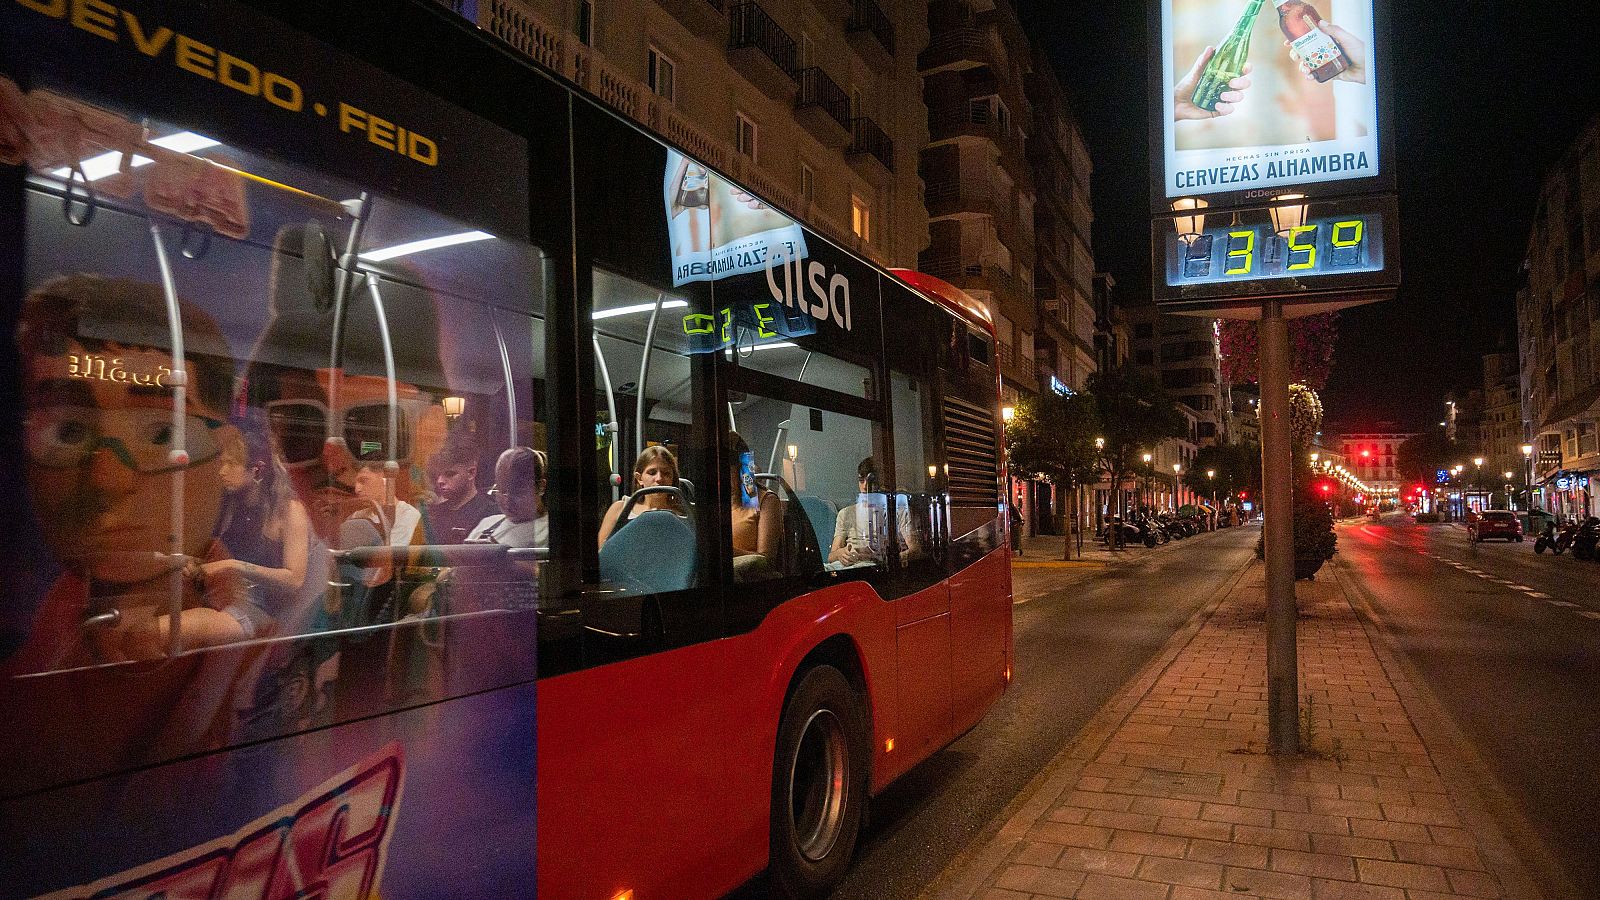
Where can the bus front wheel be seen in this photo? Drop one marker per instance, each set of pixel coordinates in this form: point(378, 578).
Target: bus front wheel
point(819, 784)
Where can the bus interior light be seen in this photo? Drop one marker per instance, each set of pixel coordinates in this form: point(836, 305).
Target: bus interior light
point(105, 164)
point(888, 745)
point(637, 308)
point(434, 243)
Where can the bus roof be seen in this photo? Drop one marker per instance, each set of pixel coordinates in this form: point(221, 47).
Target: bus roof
point(949, 296)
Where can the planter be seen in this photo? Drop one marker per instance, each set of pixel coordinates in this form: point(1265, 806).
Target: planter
point(1305, 567)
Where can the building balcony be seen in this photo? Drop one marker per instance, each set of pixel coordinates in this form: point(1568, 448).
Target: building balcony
point(978, 119)
point(871, 149)
point(699, 16)
point(871, 31)
point(823, 108)
point(761, 51)
point(957, 49)
point(958, 199)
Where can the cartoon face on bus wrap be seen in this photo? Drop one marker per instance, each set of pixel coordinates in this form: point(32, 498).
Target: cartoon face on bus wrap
point(99, 468)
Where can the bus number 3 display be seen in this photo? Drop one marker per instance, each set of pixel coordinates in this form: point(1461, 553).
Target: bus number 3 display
point(1247, 253)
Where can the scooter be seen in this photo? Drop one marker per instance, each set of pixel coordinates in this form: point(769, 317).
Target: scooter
point(1588, 536)
point(1555, 538)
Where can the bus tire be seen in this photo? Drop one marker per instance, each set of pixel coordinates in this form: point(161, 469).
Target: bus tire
point(819, 784)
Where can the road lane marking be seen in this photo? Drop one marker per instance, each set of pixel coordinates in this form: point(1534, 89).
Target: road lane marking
point(1563, 604)
point(1521, 587)
point(1590, 614)
point(1538, 595)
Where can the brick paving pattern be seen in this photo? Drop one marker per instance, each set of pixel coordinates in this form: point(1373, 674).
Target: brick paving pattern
point(1179, 802)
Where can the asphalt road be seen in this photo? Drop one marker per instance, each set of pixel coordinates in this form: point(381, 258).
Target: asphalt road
point(1509, 642)
point(1079, 634)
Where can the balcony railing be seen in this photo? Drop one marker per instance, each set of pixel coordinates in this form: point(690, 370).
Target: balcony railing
point(867, 137)
point(869, 17)
point(749, 26)
point(818, 90)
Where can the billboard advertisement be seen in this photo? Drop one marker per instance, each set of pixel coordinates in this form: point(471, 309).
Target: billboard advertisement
point(719, 229)
point(1262, 97)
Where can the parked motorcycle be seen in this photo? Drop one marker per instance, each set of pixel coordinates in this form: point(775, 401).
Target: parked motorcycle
point(1555, 538)
point(1588, 536)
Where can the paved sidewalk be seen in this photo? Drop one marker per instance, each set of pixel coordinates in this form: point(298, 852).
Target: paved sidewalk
point(1044, 550)
point(1168, 795)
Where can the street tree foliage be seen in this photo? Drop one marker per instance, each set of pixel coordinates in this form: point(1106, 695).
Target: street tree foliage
point(1052, 437)
point(1423, 455)
point(1135, 416)
point(1238, 468)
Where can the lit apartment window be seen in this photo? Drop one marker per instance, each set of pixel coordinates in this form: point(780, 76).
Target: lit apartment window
point(660, 75)
point(744, 136)
point(860, 218)
point(808, 184)
point(585, 27)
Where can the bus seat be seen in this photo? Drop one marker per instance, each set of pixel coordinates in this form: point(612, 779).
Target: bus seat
point(824, 516)
point(653, 553)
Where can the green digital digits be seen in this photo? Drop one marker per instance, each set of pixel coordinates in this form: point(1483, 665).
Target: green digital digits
point(1310, 250)
point(1247, 253)
point(1347, 242)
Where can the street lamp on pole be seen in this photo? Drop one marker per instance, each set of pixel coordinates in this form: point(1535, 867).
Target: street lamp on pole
point(1527, 478)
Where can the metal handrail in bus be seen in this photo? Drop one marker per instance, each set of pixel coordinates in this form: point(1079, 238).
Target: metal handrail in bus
point(391, 468)
point(611, 406)
point(511, 380)
point(644, 375)
point(178, 455)
point(343, 275)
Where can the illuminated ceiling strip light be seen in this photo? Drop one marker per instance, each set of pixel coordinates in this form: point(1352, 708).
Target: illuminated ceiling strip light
point(775, 346)
point(640, 308)
point(98, 167)
point(447, 240)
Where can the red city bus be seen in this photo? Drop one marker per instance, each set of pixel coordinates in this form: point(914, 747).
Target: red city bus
point(359, 413)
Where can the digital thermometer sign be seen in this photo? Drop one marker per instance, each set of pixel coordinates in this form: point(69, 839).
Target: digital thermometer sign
point(1338, 246)
point(1290, 251)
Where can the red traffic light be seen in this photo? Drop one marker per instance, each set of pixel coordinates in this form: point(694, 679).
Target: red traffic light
point(1243, 494)
point(1326, 487)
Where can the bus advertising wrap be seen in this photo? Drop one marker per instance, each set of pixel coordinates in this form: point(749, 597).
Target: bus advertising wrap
point(1259, 96)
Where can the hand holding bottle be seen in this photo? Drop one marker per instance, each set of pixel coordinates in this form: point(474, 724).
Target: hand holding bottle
point(1183, 93)
point(1355, 52)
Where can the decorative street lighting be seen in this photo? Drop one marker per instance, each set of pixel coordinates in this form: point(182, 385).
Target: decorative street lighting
point(1527, 479)
point(1189, 226)
point(1007, 413)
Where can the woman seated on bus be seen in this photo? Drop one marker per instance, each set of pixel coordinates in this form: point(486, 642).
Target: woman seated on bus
point(656, 467)
point(757, 534)
point(519, 483)
point(257, 560)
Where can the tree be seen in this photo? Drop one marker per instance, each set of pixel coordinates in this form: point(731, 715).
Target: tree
point(1052, 437)
point(1423, 455)
point(1238, 468)
point(1135, 416)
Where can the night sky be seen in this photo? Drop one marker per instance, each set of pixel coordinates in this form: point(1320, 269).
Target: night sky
point(1490, 95)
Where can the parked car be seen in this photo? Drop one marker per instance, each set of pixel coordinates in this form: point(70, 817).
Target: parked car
point(1496, 523)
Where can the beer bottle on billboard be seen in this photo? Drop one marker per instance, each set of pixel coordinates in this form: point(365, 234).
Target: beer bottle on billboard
point(1228, 63)
point(1322, 55)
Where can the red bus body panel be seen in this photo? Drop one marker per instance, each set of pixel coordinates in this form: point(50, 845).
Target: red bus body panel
point(655, 774)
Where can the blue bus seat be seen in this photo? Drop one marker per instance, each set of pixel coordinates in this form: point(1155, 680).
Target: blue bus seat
point(824, 516)
point(652, 554)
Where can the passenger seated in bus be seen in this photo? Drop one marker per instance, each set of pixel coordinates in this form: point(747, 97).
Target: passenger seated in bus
point(757, 533)
point(257, 561)
point(454, 473)
point(98, 432)
point(400, 522)
point(519, 476)
point(860, 532)
point(656, 467)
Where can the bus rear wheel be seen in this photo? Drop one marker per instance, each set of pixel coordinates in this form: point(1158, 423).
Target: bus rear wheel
point(819, 784)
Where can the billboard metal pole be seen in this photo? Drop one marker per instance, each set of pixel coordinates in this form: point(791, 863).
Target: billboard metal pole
point(1277, 483)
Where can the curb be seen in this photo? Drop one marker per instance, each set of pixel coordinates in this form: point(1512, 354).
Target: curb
point(966, 873)
point(1508, 840)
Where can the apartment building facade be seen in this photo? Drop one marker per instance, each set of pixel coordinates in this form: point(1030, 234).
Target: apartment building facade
point(979, 183)
point(1560, 397)
point(816, 105)
point(1373, 457)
